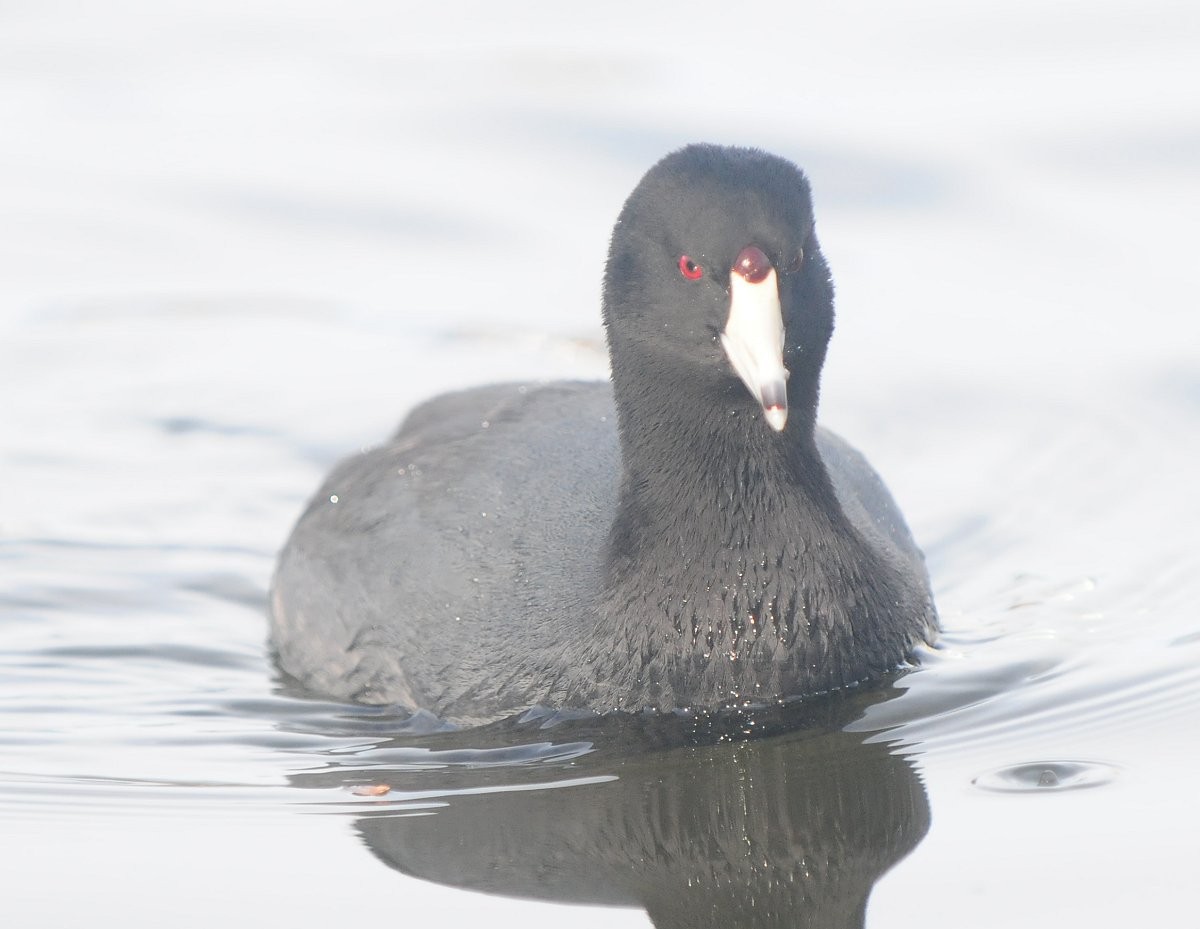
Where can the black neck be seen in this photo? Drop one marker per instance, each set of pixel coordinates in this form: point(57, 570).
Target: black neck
point(713, 453)
point(727, 566)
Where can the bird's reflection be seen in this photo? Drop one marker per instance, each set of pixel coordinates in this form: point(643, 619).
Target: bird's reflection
point(697, 828)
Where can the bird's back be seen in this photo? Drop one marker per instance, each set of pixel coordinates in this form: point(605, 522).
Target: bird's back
point(457, 553)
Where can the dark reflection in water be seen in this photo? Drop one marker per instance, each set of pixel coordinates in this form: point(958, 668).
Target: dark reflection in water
point(693, 821)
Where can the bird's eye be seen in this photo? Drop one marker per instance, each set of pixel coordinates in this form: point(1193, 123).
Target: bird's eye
point(797, 261)
point(690, 269)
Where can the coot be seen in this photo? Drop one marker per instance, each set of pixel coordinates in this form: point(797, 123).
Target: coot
point(685, 537)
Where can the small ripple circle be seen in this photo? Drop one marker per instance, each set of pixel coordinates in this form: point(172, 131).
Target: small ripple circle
point(1043, 776)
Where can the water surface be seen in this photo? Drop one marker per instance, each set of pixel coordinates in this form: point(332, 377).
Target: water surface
point(242, 241)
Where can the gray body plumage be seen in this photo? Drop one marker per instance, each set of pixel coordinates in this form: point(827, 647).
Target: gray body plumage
point(461, 568)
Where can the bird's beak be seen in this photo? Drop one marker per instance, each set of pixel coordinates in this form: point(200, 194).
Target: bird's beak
point(753, 336)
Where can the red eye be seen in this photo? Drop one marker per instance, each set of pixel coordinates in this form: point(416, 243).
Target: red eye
point(689, 268)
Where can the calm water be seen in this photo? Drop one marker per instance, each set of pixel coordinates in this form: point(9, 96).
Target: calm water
point(241, 240)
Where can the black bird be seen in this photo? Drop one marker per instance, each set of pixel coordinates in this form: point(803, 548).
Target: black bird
point(686, 537)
